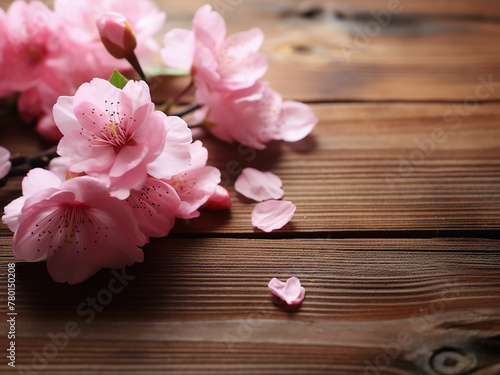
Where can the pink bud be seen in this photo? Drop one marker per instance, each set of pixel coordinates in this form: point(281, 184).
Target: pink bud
point(116, 35)
point(220, 199)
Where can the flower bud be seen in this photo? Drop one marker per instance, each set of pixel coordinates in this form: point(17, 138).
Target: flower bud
point(220, 199)
point(116, 35)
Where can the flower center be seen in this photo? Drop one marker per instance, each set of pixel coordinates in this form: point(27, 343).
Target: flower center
point(114, 134)
point(35, 54)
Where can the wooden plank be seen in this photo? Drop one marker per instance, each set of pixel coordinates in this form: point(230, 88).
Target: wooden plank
point(191, 355)
point(337, 50)
point(331, 57)
point(260, 8)
point(207, 299)
point(356, 172)
point(213, 279)
point(375, 167)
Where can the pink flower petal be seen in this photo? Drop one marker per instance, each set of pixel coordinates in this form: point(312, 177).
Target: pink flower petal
point(39, 179)
point(297, 121)
point(175, 156)
point(40, 183)
point(196, 183)
point(179, 49)
point(272, 214)
point(209, 27)
point(4, 162)
point(259, 186)
point(291, 292)
point(154, 207)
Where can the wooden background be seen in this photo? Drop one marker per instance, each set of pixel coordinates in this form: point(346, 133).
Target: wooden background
point(398, 248)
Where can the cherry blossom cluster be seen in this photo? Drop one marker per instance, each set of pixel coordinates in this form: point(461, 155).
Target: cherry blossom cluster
point(125, 173)
point(47, 53)
point(237, 106)
point(125, 170)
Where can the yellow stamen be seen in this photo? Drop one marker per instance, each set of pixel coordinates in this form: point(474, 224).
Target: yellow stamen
point(112, 127)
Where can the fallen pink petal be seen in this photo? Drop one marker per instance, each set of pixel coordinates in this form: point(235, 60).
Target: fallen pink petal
point(272, 214)
point(290, 291)
point(259, 186)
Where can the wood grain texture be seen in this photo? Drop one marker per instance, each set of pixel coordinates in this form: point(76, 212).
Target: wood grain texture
point(320, 51)
point(210, 279)
point(402, 153)
point(337, 50)
point(207, 299)
point(381, 167)
point(367, 167)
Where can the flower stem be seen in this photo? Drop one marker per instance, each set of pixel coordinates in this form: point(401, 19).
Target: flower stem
point(190, 109)
point(183, 92)
point(132, 59)
point(170, 103)
point(21, 164)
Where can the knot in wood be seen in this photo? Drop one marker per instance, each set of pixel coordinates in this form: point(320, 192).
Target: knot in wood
point(450, 361)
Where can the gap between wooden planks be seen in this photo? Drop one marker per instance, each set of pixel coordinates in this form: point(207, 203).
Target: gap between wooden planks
point(375, 167)
point(196, 298)
point(212, 279)
point(367, 167)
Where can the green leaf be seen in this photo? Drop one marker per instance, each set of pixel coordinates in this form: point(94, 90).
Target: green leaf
point(154, 71)
point(118, 80)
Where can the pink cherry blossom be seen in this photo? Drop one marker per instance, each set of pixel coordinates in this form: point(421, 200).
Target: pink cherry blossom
point(114, 134)
point(154, 207)
point(291, 292)
point(32, 36)
point(38, 181)
point(272, 214)
point(77, 227)
point(5, 163)
point(66, 74)
point(196, 184)
point(230, 63)
point(219, 200)
point(116, 34)
point(144, 17)
point(254, 116)
point(259, 186)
